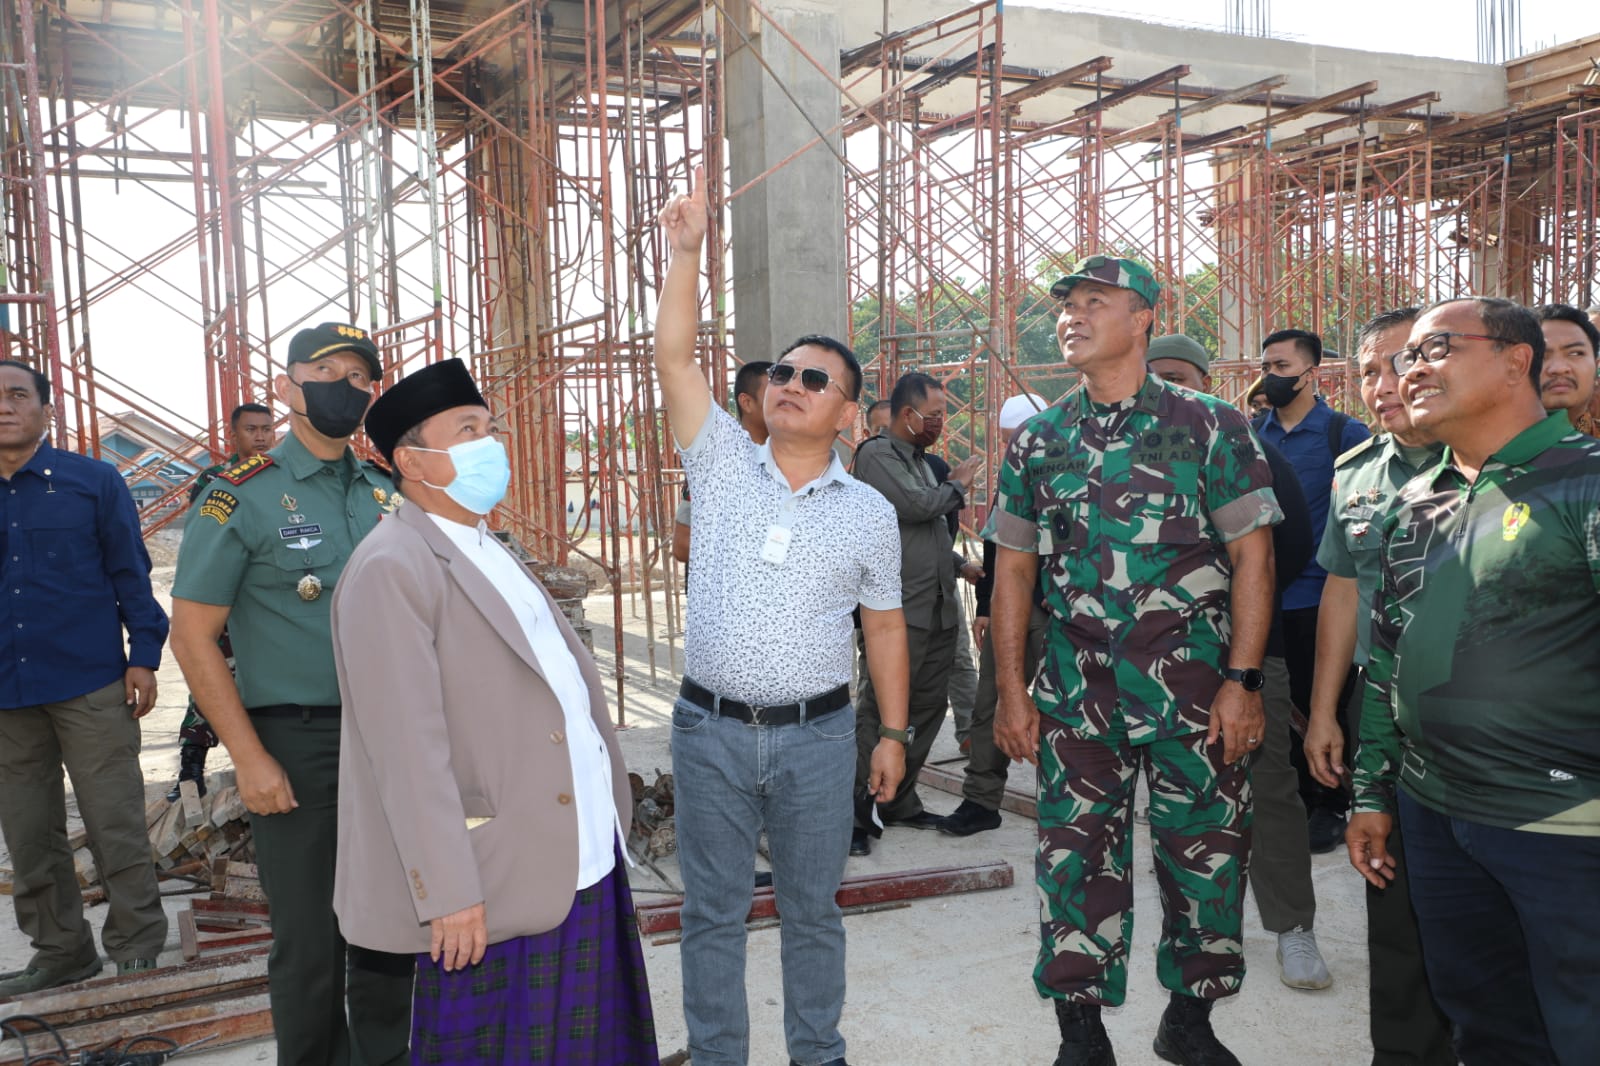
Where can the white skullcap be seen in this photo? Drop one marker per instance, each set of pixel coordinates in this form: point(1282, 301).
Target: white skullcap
point(1019, 409)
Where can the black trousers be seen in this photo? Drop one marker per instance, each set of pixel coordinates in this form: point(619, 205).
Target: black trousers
point(311, 977)
point(1408, 1028)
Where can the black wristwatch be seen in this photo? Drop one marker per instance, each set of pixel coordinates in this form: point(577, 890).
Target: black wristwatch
point(1252, 679)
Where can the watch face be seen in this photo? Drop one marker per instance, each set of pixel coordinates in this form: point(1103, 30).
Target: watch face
point(1253, 680)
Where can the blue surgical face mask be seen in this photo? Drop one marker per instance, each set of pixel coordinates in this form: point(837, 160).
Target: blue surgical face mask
point(483, 472)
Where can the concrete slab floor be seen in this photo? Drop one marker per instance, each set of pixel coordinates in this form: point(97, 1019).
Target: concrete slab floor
point(943, 981)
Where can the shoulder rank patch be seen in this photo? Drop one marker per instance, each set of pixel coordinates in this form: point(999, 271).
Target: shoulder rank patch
point(220, 505)
point(1358, 450)
point(239, 474)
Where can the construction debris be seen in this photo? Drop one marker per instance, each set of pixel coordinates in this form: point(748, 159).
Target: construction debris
point(854, 892)
point(223, 997)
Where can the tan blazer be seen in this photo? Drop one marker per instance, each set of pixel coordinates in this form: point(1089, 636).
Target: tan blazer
point(447, 718)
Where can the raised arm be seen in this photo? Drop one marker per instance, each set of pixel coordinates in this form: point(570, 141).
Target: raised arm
point(683, 385)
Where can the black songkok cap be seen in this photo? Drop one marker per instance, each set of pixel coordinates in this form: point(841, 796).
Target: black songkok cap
point(416, 398)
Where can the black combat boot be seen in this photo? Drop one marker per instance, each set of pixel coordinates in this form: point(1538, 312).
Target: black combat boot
point(1083, 1038)
point(191, 767)
point(1185, 1035)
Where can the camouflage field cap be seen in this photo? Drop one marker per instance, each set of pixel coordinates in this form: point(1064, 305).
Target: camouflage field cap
point(1123, 273)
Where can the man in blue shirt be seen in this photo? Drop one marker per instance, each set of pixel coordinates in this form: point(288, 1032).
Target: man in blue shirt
point(1312, 435)
point(77, 575)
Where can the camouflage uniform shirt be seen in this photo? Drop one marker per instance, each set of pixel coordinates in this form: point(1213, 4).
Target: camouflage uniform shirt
point(1480, 697)
point(1130, 507)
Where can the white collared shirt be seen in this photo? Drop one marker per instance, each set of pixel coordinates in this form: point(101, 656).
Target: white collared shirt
point(598, 825)
point(770, 633)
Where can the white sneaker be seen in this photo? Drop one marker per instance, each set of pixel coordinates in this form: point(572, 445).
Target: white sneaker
point(1300, 961)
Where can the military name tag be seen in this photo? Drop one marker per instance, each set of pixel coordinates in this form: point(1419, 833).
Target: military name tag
point(1363, 514)
point(295, 532)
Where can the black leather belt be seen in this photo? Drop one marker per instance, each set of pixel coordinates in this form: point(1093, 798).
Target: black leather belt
point(293, 710)
point(781, 714)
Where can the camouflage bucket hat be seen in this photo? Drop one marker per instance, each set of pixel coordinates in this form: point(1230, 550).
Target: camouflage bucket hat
point(1123, 273)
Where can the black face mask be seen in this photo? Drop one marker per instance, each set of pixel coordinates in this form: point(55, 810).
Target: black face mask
point(1279, 389)
point(335, 408)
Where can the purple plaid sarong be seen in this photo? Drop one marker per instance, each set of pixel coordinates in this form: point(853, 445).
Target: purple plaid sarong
point(574, 996)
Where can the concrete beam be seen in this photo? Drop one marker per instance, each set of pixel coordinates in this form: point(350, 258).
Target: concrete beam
point(788, 223)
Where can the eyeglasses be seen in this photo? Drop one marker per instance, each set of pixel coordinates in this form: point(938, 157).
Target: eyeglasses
point(1433, 348)
point(812, 379)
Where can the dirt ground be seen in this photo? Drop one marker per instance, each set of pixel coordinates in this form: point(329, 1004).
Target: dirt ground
point(943, 981)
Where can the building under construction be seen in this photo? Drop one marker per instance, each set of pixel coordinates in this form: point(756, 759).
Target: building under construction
point(188, 183)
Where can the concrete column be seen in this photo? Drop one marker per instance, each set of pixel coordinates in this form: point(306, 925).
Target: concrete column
point(788, 230)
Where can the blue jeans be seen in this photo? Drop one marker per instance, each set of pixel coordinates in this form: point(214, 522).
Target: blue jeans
point(731, 780)
point(1509, 925)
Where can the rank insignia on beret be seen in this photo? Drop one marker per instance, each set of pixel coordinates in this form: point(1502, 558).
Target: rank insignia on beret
point(246, 470)
point(220, 505)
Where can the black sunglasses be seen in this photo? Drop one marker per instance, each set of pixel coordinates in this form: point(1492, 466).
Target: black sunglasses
point(812, 379)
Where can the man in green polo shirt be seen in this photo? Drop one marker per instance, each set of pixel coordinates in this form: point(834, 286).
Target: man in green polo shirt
point(262, 550)
point(1407, 1026)
point(1145, 509)
point(1481, 693)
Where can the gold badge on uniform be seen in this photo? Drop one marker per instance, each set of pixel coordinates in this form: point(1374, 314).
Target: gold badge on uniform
point(1513, 520)
point(289, 502)
point(379, 495)
point(309, 588)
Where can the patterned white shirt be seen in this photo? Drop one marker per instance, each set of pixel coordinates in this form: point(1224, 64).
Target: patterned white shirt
point(768, 633)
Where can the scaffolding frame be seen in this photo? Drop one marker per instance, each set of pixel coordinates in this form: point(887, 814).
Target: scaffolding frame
point(485, 184)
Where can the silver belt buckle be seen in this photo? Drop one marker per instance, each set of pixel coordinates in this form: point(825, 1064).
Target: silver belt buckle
point(756, 713)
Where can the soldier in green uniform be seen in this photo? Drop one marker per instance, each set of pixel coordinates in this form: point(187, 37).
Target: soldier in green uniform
point(1146, 510)
point(250, 432)
point(1407, 1026)
point(262, 552)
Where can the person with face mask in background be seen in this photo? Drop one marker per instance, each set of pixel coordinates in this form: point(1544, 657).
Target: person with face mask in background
point(896, 465)
point(262, 553)
point(505, 877)
point(1312, 435)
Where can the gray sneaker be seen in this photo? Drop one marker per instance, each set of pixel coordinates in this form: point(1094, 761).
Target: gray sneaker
point(1300, 961)
point(34, 979)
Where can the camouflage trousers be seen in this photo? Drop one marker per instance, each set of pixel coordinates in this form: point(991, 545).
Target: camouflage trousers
point(1200, 832)
point(195, 730)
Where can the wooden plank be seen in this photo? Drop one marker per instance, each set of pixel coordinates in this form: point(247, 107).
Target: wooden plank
point(230, 1021)
point(189, 799)
point(105, 997)
point(242, 888)
point(83, 866)
point(231, 908)
point(188, 936)
point(665, 915)
point(1014, 799)
point(233, 941)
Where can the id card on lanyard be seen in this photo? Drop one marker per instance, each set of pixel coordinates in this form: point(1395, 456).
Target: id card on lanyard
point(779, 534)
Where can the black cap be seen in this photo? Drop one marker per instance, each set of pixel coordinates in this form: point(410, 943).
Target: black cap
point(416, 398)
point(313, 343)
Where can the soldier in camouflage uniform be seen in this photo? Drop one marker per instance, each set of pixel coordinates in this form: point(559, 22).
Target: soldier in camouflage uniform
point(1145, 508)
